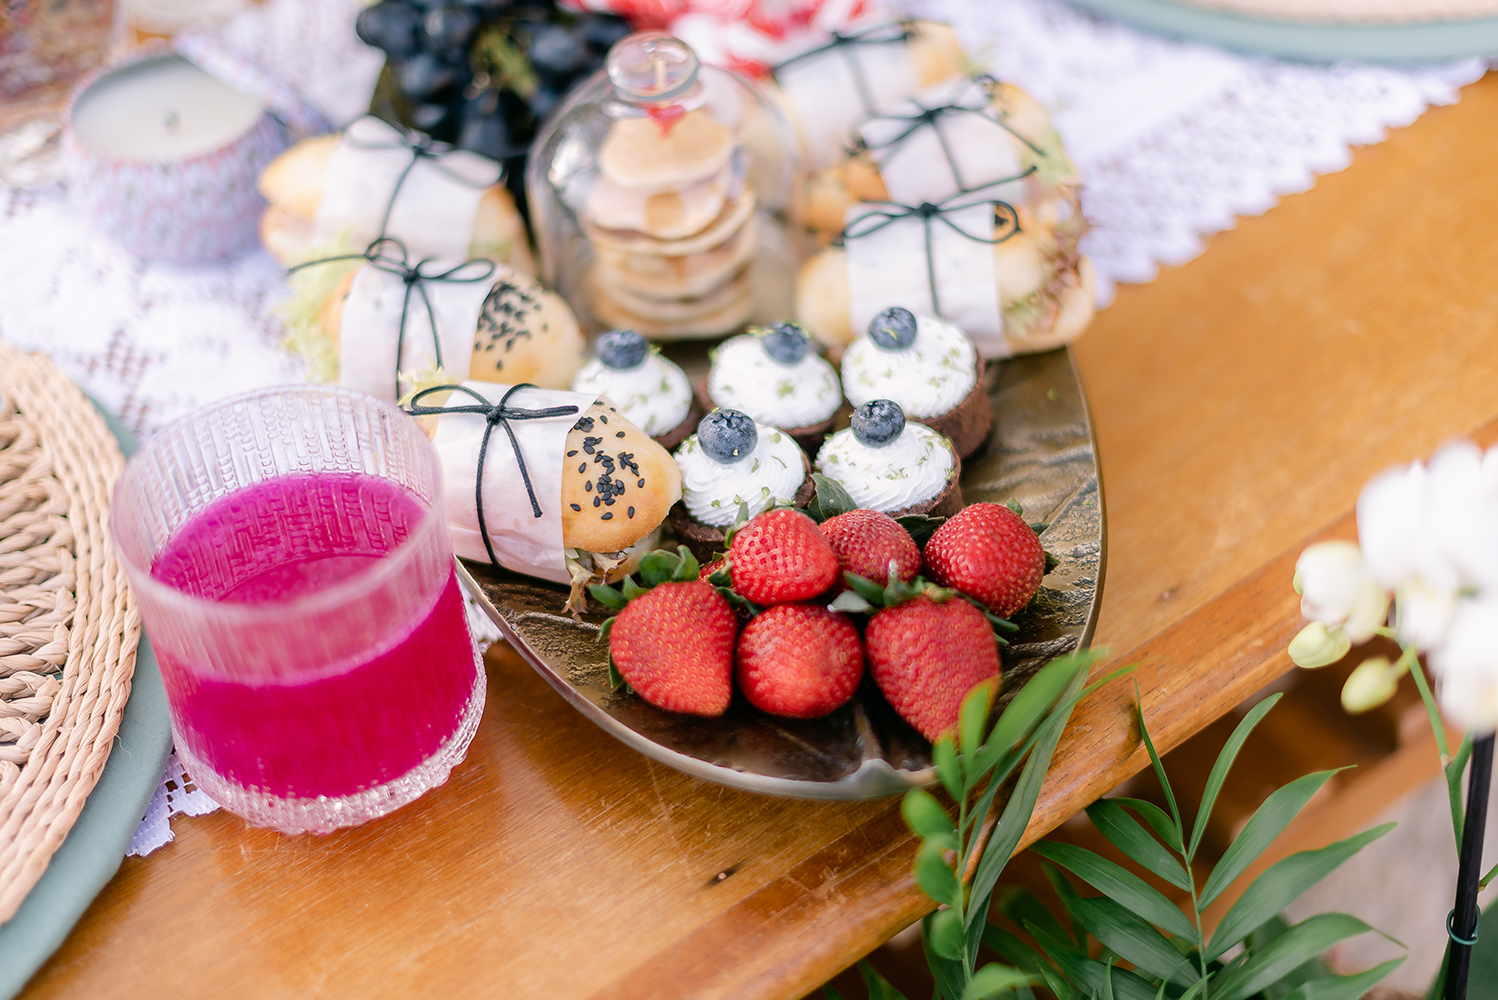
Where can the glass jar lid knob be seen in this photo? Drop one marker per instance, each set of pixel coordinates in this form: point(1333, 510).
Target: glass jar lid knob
point(650, 67)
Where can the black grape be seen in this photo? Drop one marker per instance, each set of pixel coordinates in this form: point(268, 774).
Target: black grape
point(391, 25)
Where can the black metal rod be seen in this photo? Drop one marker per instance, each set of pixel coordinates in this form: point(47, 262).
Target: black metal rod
point(1463, 924)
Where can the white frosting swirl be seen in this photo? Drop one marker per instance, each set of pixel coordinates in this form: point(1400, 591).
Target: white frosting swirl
point(928, 378)
point(770, 474)
point(911, 469)
point(744, 377)
point(654, 395)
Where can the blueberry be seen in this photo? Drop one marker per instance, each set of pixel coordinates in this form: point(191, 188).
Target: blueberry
point(727, 436)
point(786, 343)
point(894, 329)
point(601, 31)
point(878, 422)
point(450, 27)
point(555, 51)
point(622, 350)
point(390, 25)
point(424, 76)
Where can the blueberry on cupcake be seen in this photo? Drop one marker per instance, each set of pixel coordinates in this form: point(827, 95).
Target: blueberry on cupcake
point(735, 462)
point(892, 465)
point(774, 375)
point(649, 389)
point(926, 365)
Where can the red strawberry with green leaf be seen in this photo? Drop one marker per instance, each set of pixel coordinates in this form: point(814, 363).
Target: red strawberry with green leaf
point(927, 653)
point(799, 660)
point(672, 640)
point(781, 556)
point(866, 542)
point(988, 552)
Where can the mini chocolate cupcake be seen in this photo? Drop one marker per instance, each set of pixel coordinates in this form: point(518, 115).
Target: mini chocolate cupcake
point(651, 390)
point(893, 466)
point(929, 367)
point(731, 463)
point(774, 376)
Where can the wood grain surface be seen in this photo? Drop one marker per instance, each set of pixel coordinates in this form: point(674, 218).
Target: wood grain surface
point(1240, 402)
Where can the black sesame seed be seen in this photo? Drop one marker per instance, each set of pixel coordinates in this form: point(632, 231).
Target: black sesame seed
point(583, 424)
point(596, 501)
point(606, 516)
point(588, 487)
point(583, 467)
point(579, 507)
point(618, 434)
point(619, 488)
point(604, 418)
point(572, 453)
point(631, 512)
point(641, 484)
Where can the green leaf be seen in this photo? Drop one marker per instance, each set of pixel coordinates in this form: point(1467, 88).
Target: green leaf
point(1454, 770)
point(1120, 885)
point(948, 769)
point(1051, 562)
point(879, 988)
point(920, 527)
point(949, 973)
point(1088, 974)
point(606, 628)
point(935, 876)
point(1058, 986)
point(1039, 526)
point(924, 814)
point(1282, 882)
point(734, 597)
point(849, 600)
point(1287, 953)
point(1343, 987)
point(1014, 506)
point(1010, 948)
point(1127, 934)
point(1158, 820)
point(688, 568)
point(1267, 822)
point(829, 992)
point(1022, 907)
point(1222, 766)
point(1032, 702)
point(632, 589)
point(993, 979)
point(1149, 744)
point(658, 567)
point(865, 588)
point(607, 596)
point(721, 577)
point(616, 679)
point(947, 934)
point(831, 499)
point(972, 716)
point(1021, 805)
point(1125, 833)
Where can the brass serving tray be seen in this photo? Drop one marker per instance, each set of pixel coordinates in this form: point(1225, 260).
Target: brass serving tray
point(1041, 453)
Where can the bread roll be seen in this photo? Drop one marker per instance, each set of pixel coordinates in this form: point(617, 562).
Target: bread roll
point(618, 484)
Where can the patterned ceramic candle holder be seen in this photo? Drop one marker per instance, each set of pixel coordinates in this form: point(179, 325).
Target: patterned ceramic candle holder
point(164, 157)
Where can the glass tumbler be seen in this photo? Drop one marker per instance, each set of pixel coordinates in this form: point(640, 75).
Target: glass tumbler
point(291, 561)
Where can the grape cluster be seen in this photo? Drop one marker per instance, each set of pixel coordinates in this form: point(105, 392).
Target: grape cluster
point(482, 74)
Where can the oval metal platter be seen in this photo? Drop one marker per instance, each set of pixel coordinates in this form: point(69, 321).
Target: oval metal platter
point(1040, 453)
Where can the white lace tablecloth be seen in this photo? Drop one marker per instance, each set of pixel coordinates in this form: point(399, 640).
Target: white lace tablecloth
point(1174, 141)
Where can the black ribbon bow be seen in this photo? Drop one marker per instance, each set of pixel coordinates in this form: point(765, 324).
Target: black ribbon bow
point(885, 213)
point(930, 117)
point(500, 413)
point(415, 278)
point(896, 33)
point(421, 147)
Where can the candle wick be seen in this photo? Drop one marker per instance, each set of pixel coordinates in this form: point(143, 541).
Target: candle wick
point(171, 119)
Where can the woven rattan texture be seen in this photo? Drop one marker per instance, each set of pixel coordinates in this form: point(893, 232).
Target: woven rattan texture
point(68, 624)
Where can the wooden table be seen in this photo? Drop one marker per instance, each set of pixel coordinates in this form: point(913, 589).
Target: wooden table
point(1240, 402)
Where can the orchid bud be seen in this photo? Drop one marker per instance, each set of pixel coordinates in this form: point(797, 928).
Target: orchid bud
point(1370, 685)
point(1318, 646)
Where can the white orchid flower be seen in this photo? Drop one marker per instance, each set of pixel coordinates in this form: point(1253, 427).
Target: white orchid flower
point(1337, 590)
point(1424, 614)
point(1467, 665)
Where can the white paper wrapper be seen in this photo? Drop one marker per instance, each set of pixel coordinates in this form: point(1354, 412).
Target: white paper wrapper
point(888, 267)
point(824, 95)
point(372, 320)
point(917, 169)
point(522, 542)
point(434, 209)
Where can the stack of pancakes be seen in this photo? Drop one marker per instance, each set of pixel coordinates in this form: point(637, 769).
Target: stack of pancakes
point(672, 223)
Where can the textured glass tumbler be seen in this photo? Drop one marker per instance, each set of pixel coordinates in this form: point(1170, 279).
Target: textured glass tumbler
point(292, 564)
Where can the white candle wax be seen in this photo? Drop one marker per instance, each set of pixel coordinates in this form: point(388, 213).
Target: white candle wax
point(161, 110)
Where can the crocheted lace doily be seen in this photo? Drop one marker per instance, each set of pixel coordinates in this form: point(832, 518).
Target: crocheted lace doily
point(1174, 142)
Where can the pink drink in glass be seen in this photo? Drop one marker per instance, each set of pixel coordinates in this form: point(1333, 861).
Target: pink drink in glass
point(321, 733)
point(290, 556)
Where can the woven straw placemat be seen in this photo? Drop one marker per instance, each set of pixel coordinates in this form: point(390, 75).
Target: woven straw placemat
point(68, 623)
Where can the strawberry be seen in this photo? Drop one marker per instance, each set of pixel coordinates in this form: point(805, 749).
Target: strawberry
point(673, 642)
point(989, 553)
point(799, 660)
point(866, 541)
point(781, 556)
point(926, 654)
